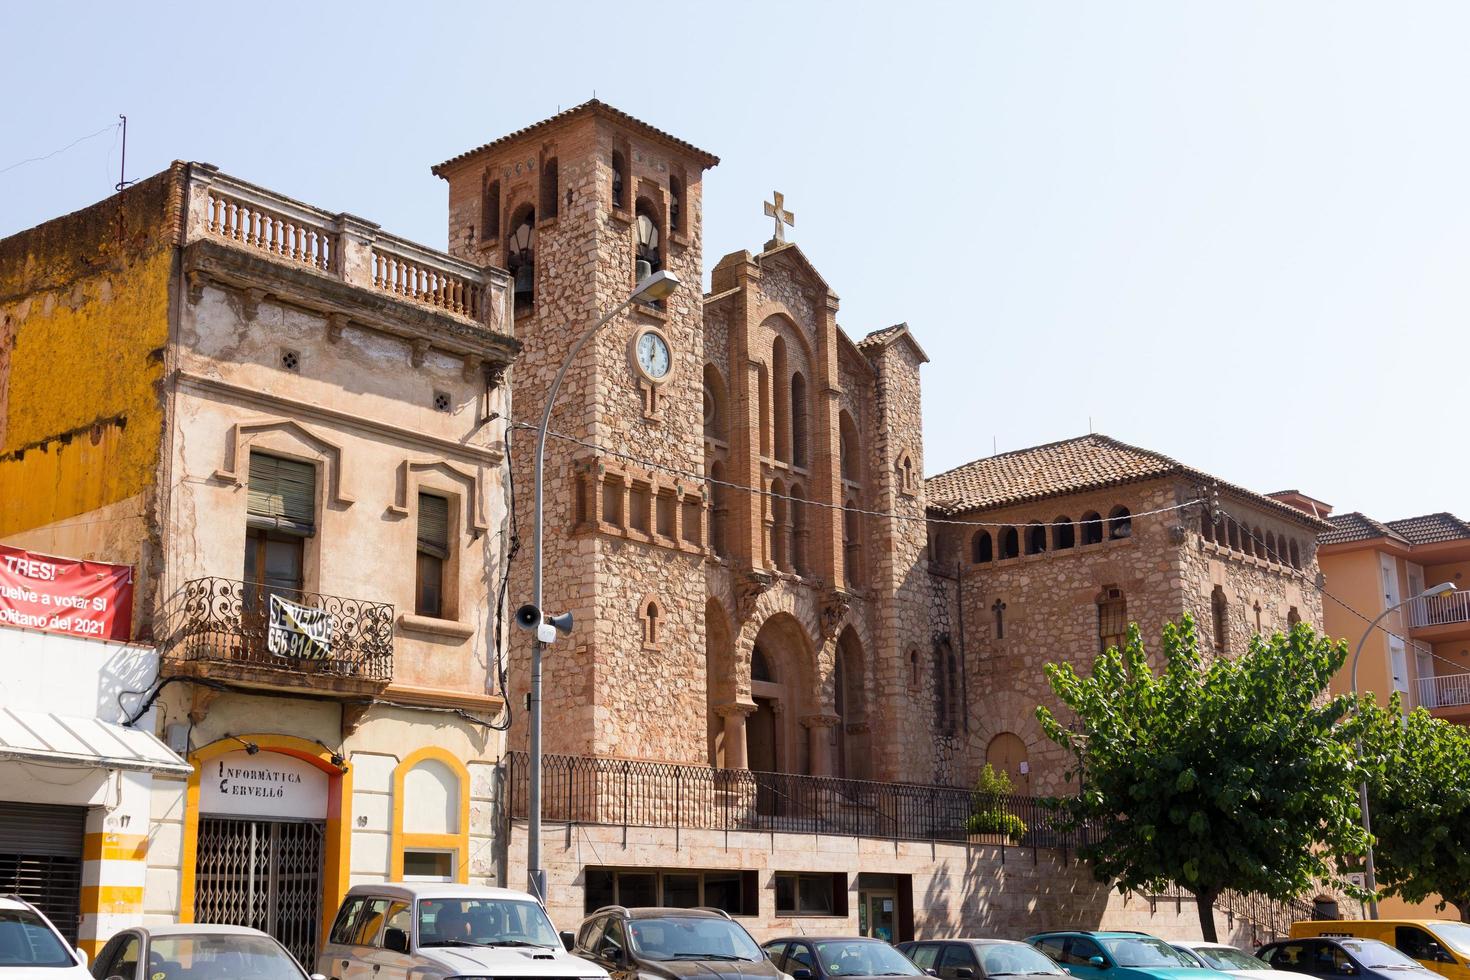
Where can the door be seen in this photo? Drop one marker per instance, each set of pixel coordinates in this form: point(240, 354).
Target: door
point(388, 963)
point(41, 859)
point(878, 914)
point(265, 874)
point(958, 962)
point(760, 741)
point(1007, 753)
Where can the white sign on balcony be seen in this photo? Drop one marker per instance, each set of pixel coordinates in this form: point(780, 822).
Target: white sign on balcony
point(299, 632)
point(267, 784)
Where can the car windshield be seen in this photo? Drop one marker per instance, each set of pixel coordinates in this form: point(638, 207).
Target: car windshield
point(221, 957)
point(1229, 958)
point(26, 941)
point(1144, 951)
point(484, 922)
point(1375, 955)
point(859, 958)
point(1456, 935)
point(1008, 959)
point(687, 937)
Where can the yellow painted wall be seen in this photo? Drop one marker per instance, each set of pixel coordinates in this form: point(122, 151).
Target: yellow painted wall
point(84, 321)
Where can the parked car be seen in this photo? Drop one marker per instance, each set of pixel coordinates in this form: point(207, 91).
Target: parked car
point(1442, 945)
point(1368, 959)
point(672, 944)
point(1236, 962)
point(825, 958)
point(963, 959)
point(431, 930)
point(195, 952)
point(31, 947)
point(1120, 956)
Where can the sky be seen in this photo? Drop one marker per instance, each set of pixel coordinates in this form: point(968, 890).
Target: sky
point(1237, 232)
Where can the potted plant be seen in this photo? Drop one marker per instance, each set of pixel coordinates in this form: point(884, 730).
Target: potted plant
point(990, 822)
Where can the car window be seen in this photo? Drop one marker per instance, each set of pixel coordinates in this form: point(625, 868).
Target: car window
point(400, 916)
point(1374, 955)
point(1456, 934)
point(613, 936)
point(342, 930)
point(256, 957)
point(1229, 958)
point(800, 955)
point(1335, 960)
point(484, 921)
point(591, 932)
point(924, 955)
point(1297, 957)
point(690, 937)
point(956, 956)
point(1053, 946)
point(1079, 951)
point(369, 922)
point(775, 951)
point(1144, 951)
point(124, 962)
point(1013, 959)
point(862, 958)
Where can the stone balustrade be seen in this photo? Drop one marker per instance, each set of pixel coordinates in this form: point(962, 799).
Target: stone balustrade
point(342, 246)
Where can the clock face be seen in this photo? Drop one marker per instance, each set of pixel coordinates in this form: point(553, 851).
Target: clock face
point(653, 355)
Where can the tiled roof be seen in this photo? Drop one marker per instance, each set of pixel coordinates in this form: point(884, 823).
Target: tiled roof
point(1356, 527)
point(1089, 462)
point(591, 106)
point(880, 337)
point(1431, 528)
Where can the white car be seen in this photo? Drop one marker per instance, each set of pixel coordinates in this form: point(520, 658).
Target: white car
point(432, 931)
point(32, 949)
point(1237, 962)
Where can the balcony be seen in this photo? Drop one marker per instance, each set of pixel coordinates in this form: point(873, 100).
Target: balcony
point(1446, 691)
point(1452, 610)
point(280, 639)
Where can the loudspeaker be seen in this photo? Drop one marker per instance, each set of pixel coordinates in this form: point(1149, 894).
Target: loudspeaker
point(528, 617)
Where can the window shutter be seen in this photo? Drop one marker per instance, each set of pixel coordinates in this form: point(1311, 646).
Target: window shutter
point(434, 525)
point(282, 494)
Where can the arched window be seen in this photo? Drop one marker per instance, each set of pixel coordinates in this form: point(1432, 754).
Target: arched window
point(718, 511)
point(520, 257)
point(619, 180)
point(1112, 619)
point(763, 383)
point(780, 529)
point(1292, 618)
point(998, 608)
point(1092, 527)
point(781, 392)
point(490, 212)
point(798, 420)
point(1219, 613)
point(1035, 538)
point(676, 204)
point(1120, 523)
point(1296, 557)
point(1010, 543)
point(715, 423)
point(652, 626)
point(850, 448)
point(760, 667)
point(550, 188)
point(1257, 608)
point(1233, 533)
point(914, 670)
point(980, 547)
point(1258, 543)
point(798, 531)
point(1206, 526)
point(852, 544)
point(946, 688)
point(647, 252)
point(1063, 534)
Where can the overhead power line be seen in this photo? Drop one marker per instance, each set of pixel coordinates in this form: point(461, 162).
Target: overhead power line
point(47, 156)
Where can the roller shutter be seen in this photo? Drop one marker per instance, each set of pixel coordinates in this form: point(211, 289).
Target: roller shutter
point(41, 859)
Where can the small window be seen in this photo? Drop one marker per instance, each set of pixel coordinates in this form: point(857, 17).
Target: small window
point(612, 500)
point(619, 180)
point(676, 205)
point(999, 609)
point(490, 212)
point(648, 253)
point(666, 507)
point(1294, 555)
point(281, 495)
point(520, 258)
point(1010, 543)
point(1112, 619)
point(291, 360)
point(638, 504)
point(1292, 618)
point(1218, 618)
point(1063, 534)
point(433, 554)
point(1035, 538)
point(428, 865)
point(980, 547)
point(550, 188)
point(1120, 524)
point(1092, 528)
point(811, 894)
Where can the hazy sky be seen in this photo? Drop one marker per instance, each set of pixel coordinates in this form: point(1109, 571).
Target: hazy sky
point(1237, 233)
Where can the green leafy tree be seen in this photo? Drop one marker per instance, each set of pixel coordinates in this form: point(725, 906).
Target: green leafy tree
point(988, 803)
point(1419, 796)
point(1226, 774)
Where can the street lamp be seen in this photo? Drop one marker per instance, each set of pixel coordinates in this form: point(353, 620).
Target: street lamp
point(1370, 882)
point(650, 289)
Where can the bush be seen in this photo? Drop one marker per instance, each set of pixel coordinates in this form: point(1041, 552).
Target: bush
point(990, 816)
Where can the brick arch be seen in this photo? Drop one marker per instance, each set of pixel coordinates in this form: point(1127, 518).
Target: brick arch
point(782, 609)
point(780, 312)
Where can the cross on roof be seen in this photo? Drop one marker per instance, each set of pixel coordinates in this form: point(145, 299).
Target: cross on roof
point(778, 211)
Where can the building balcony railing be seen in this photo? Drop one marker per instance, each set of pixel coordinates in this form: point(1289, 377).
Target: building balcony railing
point(1439, 610)
point(223, 208)
point(281, 637)
point(626, 793)
point(1268, 919)
point(1445, 691)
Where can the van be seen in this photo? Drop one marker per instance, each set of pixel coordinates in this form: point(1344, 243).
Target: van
point(1442, 945)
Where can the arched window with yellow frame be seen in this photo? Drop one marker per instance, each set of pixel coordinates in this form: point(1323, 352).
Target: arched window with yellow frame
point(431, 818)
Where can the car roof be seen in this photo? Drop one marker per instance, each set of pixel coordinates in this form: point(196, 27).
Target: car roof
point(824, 939)
point(198, 929)
point(658, 912)
point(1096, 933)
point(976, 942)
point(412, 890)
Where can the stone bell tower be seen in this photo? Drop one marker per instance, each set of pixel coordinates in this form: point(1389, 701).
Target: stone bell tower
point(577, 207)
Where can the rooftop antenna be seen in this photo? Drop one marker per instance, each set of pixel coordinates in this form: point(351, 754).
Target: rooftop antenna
point(122, 169)
point(1089, 425)
point(994, 447)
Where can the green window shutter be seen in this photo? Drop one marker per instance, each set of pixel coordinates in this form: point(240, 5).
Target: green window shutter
point(282, 494)
point(434, 525)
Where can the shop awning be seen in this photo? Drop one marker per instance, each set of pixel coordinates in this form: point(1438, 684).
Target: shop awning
point(71, 740)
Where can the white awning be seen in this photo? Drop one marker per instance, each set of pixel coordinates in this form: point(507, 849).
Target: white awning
point(69, 740)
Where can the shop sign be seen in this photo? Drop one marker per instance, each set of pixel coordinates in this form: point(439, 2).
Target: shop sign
point(64, 595)
point(299, 632)
point(266, 784)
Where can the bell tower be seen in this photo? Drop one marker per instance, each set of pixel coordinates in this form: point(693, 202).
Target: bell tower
point(579, 207)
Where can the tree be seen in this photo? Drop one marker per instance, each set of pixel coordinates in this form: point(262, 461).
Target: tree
point(1419, 797)
point(1221, 775)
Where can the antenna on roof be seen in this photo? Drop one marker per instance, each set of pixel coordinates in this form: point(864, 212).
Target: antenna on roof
point(1089, 425)
point(993, 450)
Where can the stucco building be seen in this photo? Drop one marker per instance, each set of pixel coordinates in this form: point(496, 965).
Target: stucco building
point(290, 423)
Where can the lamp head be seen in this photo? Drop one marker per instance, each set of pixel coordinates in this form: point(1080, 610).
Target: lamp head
point(655, 287)
point(1443, 588)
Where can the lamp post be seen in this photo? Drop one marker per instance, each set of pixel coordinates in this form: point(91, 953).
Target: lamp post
point(650, 288)
point(1370, 882)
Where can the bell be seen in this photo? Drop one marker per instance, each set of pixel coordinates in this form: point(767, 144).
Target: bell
point(525, 280)
point(642, 270)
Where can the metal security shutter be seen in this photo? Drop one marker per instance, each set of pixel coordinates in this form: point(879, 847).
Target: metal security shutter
point(434, 525)
point(282, 494)
point(41, 859)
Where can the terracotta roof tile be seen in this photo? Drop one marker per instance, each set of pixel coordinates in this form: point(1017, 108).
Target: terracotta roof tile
point(1356, 527)
point(1089, 462)
point(1431, 528)
point(590, 106)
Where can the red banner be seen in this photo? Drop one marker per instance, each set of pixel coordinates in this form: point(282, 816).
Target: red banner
point(63, 595)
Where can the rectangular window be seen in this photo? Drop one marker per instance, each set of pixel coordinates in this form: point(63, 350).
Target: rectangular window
point(735, 892)
point(638, 509)
point(612, 501)
point(811, 894)
point(428, 865)
point(281, 495)
point(433, 553)
point(667, 506)
point(693, 518)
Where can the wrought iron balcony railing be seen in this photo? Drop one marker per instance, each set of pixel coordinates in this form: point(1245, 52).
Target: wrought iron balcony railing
point(242, 623)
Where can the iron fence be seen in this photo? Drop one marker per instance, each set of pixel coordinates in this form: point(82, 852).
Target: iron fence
point(617, 792)
point(228, 621)
point(1268, 919)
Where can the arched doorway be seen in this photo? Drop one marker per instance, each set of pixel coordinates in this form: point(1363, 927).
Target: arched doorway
point(781, 684)
point(851, 736)
point(1007, 753)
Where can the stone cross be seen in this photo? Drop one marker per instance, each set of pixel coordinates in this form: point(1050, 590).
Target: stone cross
point(778, 211)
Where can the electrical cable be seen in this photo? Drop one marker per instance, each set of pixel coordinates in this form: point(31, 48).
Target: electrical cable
point(48, 156)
